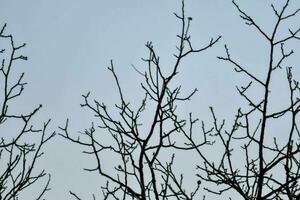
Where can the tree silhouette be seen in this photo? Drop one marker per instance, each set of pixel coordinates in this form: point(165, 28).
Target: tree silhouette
point(144, 169)
point(19, 153)
point(255, 160)
point(259, 162)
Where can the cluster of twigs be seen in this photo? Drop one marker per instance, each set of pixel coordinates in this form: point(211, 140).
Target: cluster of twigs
point(265, 169)
point(18, 156)
point(142, 172)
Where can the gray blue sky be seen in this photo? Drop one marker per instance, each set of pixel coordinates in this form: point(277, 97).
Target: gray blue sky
point(70, 44)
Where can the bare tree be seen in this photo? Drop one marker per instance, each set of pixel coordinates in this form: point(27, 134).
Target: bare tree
point(21, 143)
point(258, 161)
point(144, 168)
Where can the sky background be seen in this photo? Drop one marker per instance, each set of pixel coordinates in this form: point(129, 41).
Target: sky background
point(70, 44)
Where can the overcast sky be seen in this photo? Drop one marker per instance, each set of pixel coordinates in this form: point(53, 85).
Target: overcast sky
point(71, 42)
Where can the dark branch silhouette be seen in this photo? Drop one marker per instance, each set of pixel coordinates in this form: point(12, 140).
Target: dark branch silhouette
point(251, 164)
point(145, 169)
point(19, 153)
